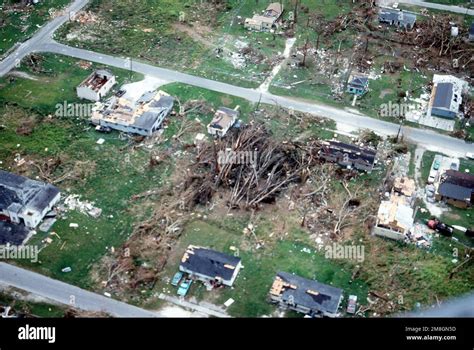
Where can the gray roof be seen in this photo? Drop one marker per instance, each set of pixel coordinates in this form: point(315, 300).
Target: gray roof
point(361, 82)
point(229, 111)
point(397, 16)
point(327, 300)
point(454, 191)
point(443, 95)
point(19, 190)
point(12, 234)
point(156, 109)
point(210, 263)
point(471, 29)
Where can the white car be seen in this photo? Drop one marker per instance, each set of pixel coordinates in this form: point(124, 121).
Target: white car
point(470, 155)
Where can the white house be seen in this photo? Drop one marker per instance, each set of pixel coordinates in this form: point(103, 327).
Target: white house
point(26, 201)
point(96, 86)
point(223, 120)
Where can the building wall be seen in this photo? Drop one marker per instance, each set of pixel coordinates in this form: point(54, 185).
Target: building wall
point(31, 221)
point(443, 113)
point(86, 93)
point(385, 232)
point(454, 202)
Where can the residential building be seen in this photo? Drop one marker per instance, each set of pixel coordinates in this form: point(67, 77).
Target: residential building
point(350, 156)
point(396, 215)
point(223, 120)
point(210, 266)
point(399, 18)
point(471, 32)
point(358, 85)
point(444, 101)
point(142, 117)
point(456, 188)
point(306, 296)
point(266, 21)
point(25, 201)
point(96, 86)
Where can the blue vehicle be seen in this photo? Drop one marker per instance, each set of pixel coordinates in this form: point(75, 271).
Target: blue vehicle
point(184, 287)
point(177, 278)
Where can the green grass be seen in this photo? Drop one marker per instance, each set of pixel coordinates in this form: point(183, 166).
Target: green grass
point(251, 288)
point(19, 26)
point(32, 308)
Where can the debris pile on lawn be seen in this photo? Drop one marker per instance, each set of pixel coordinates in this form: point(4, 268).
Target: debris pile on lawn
point(252, 165)
point(73, 202)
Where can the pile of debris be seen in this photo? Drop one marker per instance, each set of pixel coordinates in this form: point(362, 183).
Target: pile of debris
point(268, 168)
point(73, 202)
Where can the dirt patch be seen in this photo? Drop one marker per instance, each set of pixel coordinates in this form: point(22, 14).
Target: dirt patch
point(198, 32)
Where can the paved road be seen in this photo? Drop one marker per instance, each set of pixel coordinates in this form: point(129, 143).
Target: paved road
point(61, 293)
point(423, 137)
point(431, 5)
point(43, 42)
point(44, 34)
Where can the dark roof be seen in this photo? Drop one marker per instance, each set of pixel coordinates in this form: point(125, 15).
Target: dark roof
point(359, 82)
point(19, 190)
point(12, 233)
point(471, 29)
point(443, 95)
point(395, 15)
point(209, 262)
point(354, 152)
point(327, 300)
point(455, 191)
point(457, 185)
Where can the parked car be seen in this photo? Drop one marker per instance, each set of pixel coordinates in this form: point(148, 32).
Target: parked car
point(454, 166)
point(436, 164)
point(177, 278)
point(103, 129)
point(431, 179)
point(184, 287)
point(470, 155)
point(352, 304)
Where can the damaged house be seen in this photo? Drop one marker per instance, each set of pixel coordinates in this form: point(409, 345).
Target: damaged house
point(142, 117)
point(96, 86)
point(210, 266)
point(306, 296)
point(223, 120)
point(266, 21)
point(350, 156)
point(25, 201)
point(456, 188)
point(398, 18)
point(358, 85)
point(396, 215)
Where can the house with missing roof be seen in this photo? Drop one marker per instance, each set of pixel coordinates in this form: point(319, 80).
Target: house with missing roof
point(396, 215)
point(142, 117)
point(398, 18)
point(358, 85)
point(96, 86)
point(349, 156)
point(25, 201)
point(266, 21)
point(210, 266)
point(456, 188)
point(223, 120)
point(306, 296)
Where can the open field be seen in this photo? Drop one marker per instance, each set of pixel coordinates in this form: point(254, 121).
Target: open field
point(18, 23)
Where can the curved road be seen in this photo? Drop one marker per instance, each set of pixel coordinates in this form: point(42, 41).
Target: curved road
point(63, 293)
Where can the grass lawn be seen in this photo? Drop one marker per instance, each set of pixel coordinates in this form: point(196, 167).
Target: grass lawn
point(18, 25)
point(32, 308)
point(260, 265)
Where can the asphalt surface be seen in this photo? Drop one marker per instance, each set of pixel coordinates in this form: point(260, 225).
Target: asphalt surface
point(63, 293)
point(428, 139)
point(431, 5)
